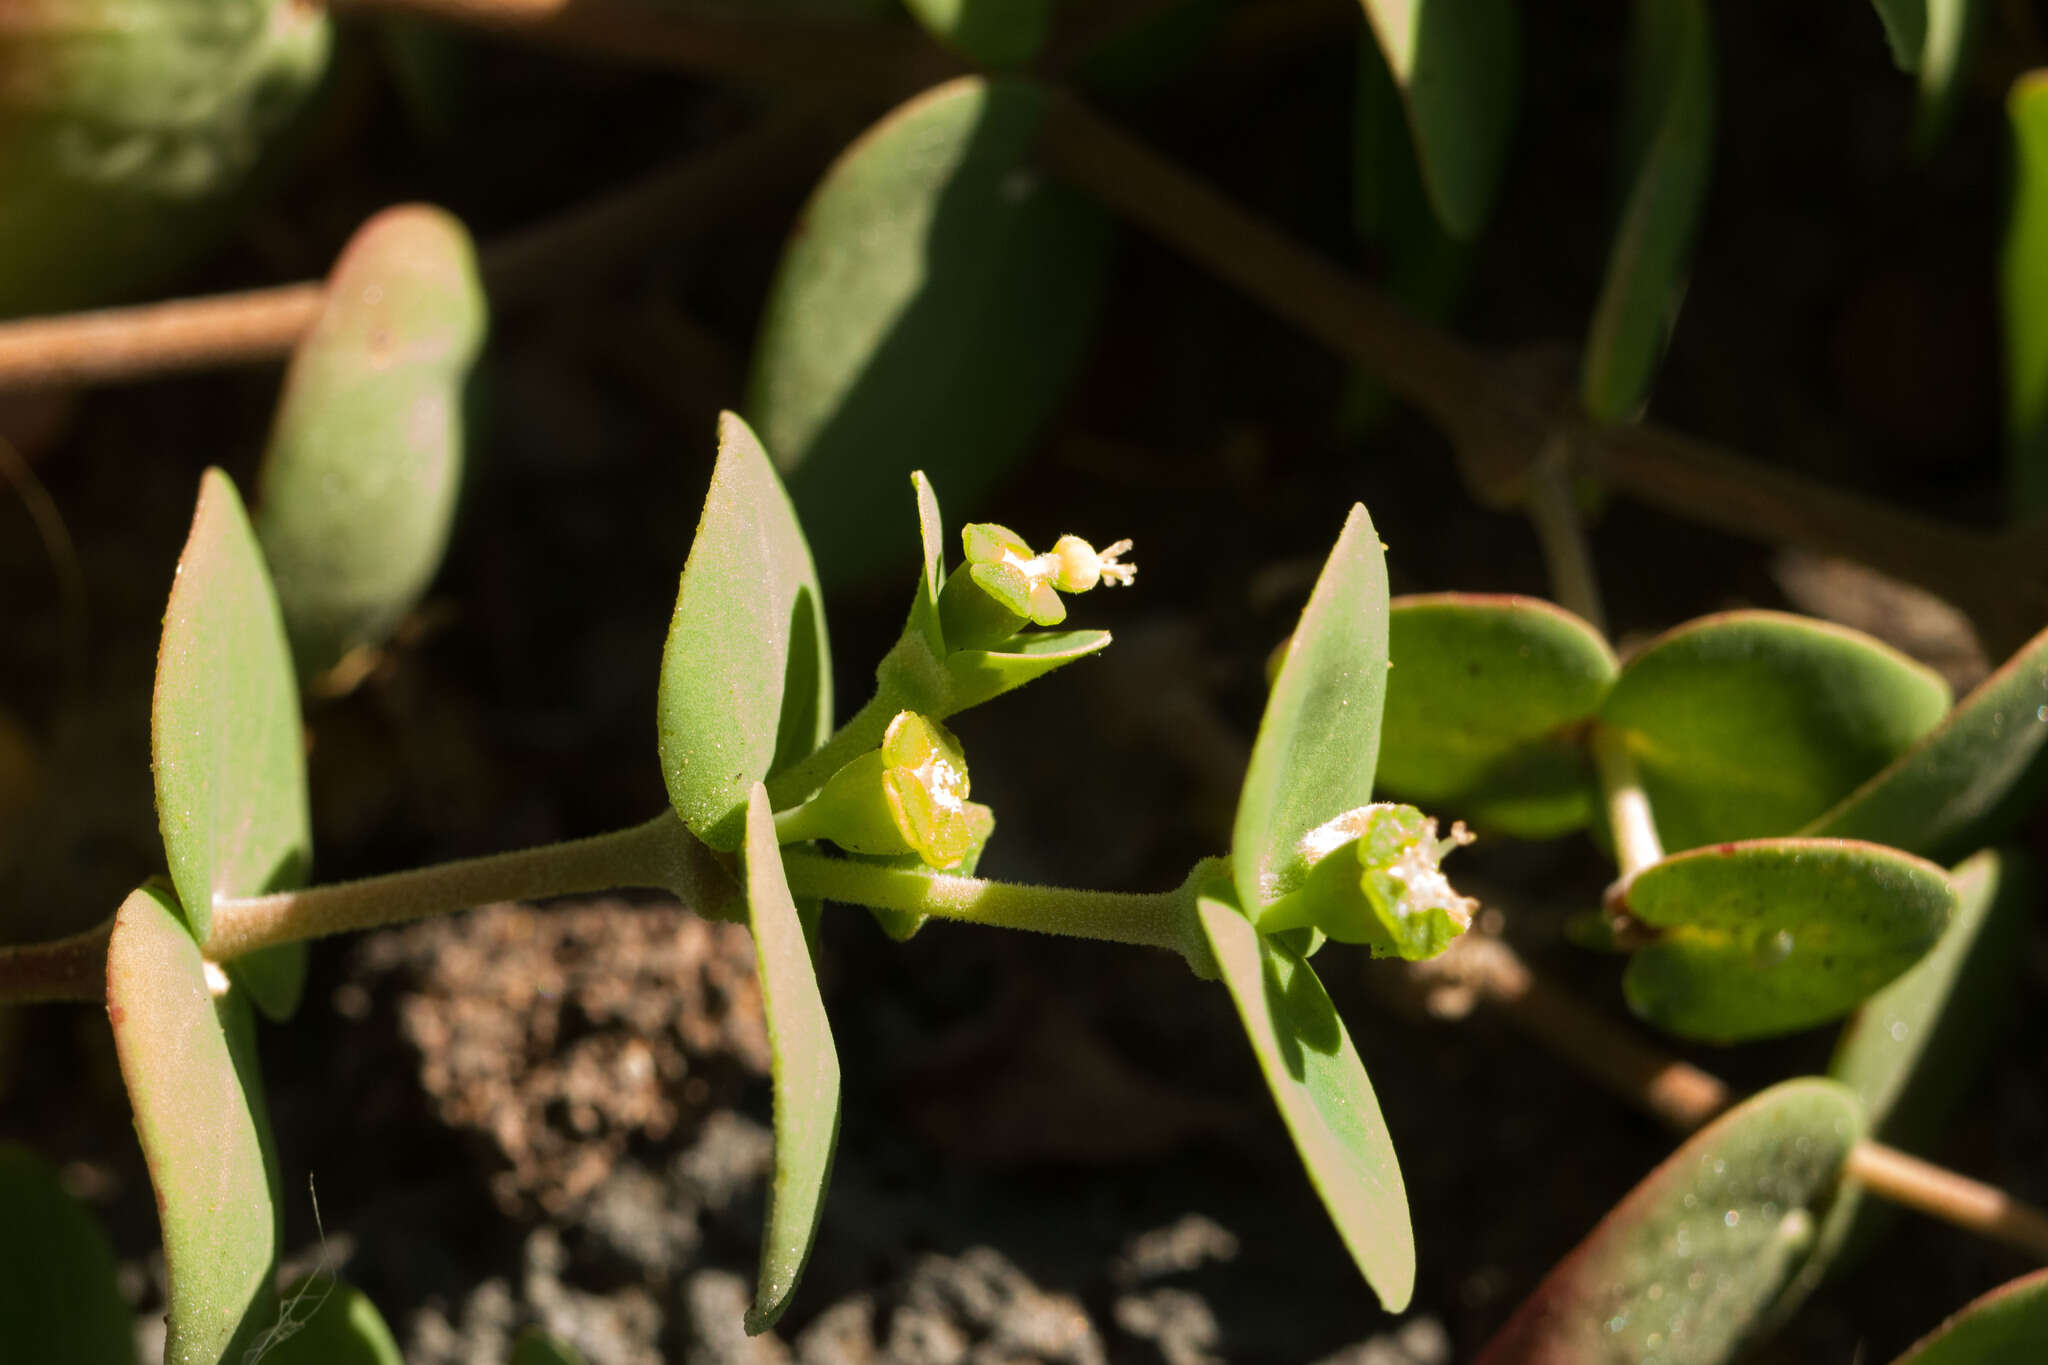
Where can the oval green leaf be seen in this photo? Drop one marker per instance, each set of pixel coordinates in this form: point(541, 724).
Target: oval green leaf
point(746, 676)
point(226, 735)
point(360, 478)
point(1483, 703)
point(1687, 1267)
point(1775, 935)
point(1323, 1094)
point(805, 1069)
point(2022, 286)
point(1667, 155)
point(1949, 793)
point(1458, 65)
point(1319, 741)
point(931, 309)
point(186, 1061)
point(1753, 723)
point(128, 135)
point(58, 1297)
point(325, 1321)
point(2009, 1324)
point(992, 33)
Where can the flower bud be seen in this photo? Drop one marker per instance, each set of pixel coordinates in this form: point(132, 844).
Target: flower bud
point(1374, 878)
point(909, 796)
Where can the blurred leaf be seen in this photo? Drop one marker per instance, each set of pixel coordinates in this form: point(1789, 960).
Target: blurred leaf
point(535, 1347)
point(805, 1070)
point(1951, 34)
point(1687, 1266)
point(1753, 723)
point(1425, 265)
point(1319, 740)
point(1482, 701)
point(995, 33)
point(1905, 29)
point(2007, 1326)
point(331, 1323)
point(931, 308)
point(58, 1298)
point(1913, 1051)
point(225, 729)
point(1948, 793)
point(1139, 57)
point(128, 132)
point(746, 677)
point(2024, 285)
point(1667, 155)
point(1457, 63)
point(359, 481)
point(203, 1130)
point(1323, 1093)
point(1776, 935)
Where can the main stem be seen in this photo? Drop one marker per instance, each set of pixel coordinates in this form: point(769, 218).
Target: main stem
point(659, 854)
point(1163, 919)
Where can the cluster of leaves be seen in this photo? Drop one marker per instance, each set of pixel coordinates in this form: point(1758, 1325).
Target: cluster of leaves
point(1803, 775)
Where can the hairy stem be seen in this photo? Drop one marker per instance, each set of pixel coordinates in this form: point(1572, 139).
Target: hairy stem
point(661, 854)
point(73, 968)
point(861, 733)
point(1163, 919)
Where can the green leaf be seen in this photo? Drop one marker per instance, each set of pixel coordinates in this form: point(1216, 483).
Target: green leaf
point(931, 531)
point(974, 676)
point(535, 1347)
point(1949, 793)
point(1319, 741)
point(225, 729)
point(2007, 1326)
point(1457, 63)
point(1686, 1268)
point(746, 677)
point(1667, 155)
point(930, 311)
point(1952, 27)
point(58, 1297)
point(325, 1321)
point(2023, 284)
point(994, 33)
point(360, 478)
point(1424, 264)
point(1905, 29)
point(132, 133)
point(1913, 1051)
point(1775, 935)
point(1323, 1093)
point(805, 1070)
point(1151, 47)
point(1483, 702)
point(1753, 723)
point(199, 1114)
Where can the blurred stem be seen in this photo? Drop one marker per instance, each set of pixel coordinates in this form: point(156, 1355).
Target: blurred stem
point(1628, 806)
point(1940, 1193)
point(73, 968)
point(1164, 919)
point(1498, 421)
point(1554, 512)
point(1685, 1098)
point(665, 207)
point(776, 49)
point(660, 854)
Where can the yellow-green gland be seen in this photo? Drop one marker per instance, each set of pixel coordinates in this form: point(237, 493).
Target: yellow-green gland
point(1379, 884)
point(909, 796)
point(1004, 587)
